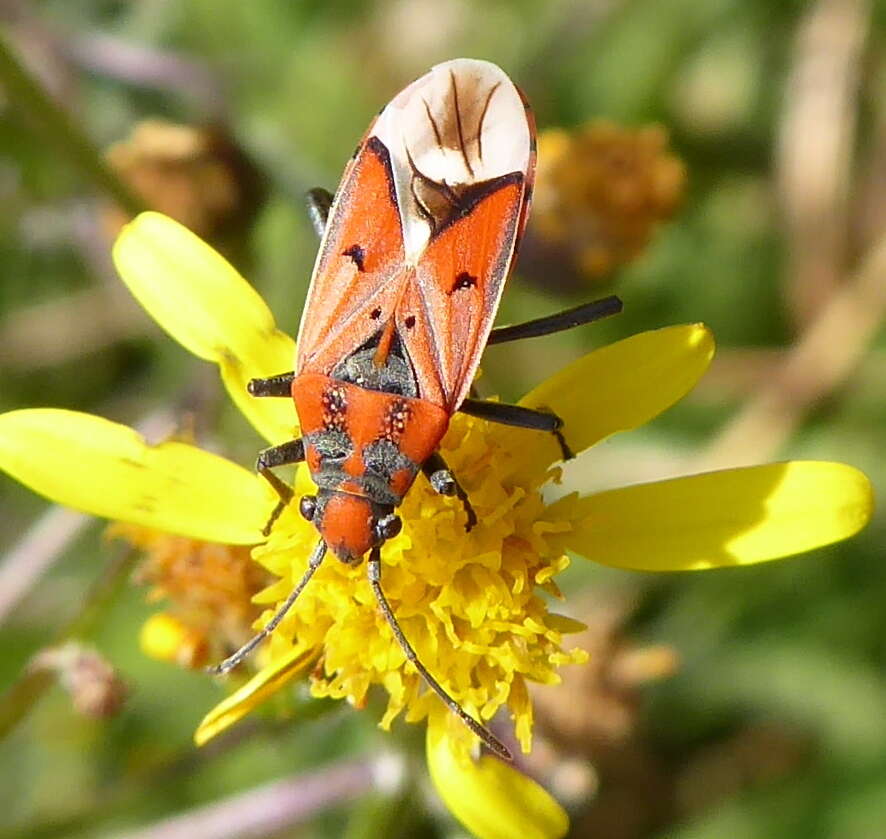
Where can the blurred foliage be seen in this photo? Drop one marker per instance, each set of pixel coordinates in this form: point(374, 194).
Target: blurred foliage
point(774, 724)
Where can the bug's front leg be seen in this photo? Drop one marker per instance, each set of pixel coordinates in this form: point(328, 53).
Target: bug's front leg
point(279, 385)
point(287, 453)
point(444, 482)
point(519, 417)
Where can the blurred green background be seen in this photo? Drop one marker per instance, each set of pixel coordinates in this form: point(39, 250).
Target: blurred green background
point(773, 723)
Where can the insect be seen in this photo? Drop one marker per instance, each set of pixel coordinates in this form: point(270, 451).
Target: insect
point(415, 249)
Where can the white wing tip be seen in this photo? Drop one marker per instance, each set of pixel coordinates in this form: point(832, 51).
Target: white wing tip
point(463, 122)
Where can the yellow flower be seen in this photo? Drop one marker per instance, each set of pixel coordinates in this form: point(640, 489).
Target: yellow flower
point(469, 602)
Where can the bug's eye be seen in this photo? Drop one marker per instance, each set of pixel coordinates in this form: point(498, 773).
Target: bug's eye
point(388, 527)
point(308, 506)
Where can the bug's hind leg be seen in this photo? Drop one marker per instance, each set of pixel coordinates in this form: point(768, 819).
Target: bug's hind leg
point(578, 315)
point(444, 482)
point(519, 417)
point(292, 451)
point(319, 204)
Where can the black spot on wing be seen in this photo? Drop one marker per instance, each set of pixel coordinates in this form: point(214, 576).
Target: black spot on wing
point(380, 150)
point(357, 254)
point(463, 280)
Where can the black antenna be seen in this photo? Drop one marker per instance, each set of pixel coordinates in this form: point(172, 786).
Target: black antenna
point(232, 661)
point(374, 570)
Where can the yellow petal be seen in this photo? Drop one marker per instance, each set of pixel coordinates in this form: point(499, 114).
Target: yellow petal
point(259, 688)
point(202, 302)
point(733, 517)
point(106, 469)
point(491, 798)
point(616, 388)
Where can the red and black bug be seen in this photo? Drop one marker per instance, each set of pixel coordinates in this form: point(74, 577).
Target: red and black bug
point(415, 251)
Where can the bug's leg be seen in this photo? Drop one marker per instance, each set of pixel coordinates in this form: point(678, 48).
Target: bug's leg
point(279, 385)
point(319, 203)
point(520, 417)
point(586, 313)
point(374, 572)
point(292, 451)
point(444, 482)
point(233, 660)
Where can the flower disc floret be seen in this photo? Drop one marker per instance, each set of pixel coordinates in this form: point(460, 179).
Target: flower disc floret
point(471, 603)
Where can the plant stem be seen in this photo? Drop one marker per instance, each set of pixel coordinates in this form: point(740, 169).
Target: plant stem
point(266, 810)
point(19, 699)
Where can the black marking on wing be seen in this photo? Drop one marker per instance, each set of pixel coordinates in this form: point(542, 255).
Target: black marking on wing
point(482, 118)
point(458, 126)
point(474, 194)
point(463, 280)
point(456, 203)
point(433, 124)
point(358, 254)
point(420, 205)
point(380, 150)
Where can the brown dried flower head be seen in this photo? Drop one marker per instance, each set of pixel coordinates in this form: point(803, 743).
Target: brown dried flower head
point(601, 191)
point(208, 589)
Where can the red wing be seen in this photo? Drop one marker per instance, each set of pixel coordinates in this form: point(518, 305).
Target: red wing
point(448, 307)
point(423, 230)
point(359, 272)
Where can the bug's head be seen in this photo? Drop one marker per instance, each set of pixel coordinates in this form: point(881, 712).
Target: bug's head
point(350, 525)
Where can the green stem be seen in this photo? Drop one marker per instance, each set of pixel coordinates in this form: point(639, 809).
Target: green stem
point(22, 697)
point(60, 129)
